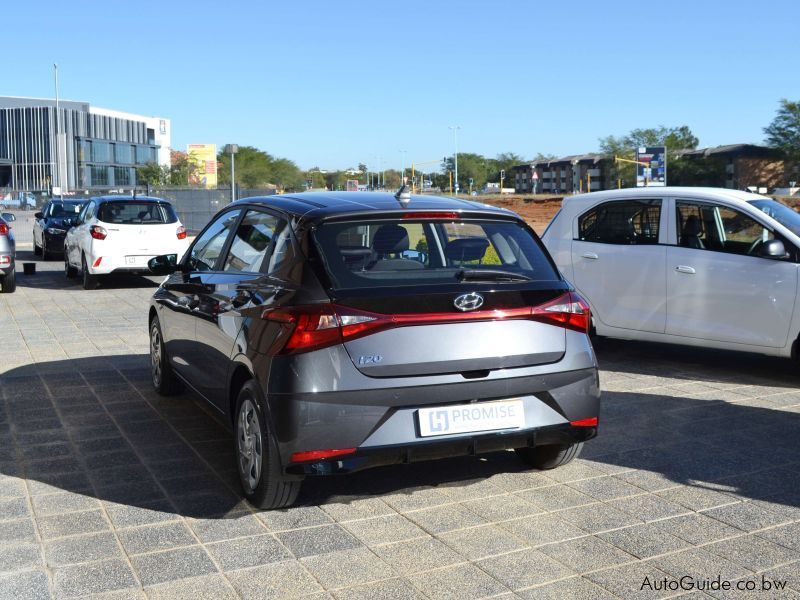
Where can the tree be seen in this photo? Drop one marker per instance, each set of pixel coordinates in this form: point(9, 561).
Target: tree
point(181, 169)
point(674, 138)
point(252, 167)
point(784, 131)
point(152, 174)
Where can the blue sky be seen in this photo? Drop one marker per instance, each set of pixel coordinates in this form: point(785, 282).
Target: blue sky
point(332, 84)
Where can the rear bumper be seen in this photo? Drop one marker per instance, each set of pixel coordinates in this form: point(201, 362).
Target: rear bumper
point(369, 457)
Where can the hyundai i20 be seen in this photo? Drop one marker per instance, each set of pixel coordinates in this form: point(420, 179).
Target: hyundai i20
point(340, 331)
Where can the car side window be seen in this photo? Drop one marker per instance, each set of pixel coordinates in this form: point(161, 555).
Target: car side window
point(254, 241)
point(719, 228)
point(621, 222)
point(208, 246)
point(88, 212)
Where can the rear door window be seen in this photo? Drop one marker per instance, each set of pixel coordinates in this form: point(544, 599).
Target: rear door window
point(394, 252)
point(621, 222)
point(254, 242)
point(136, 213)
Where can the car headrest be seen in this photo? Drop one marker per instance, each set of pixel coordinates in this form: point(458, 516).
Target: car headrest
point(466, 249)
point(390, 239)
point(693, 226)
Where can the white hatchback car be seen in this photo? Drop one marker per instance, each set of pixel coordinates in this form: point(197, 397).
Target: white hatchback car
point(120, 234)
point(700, 266)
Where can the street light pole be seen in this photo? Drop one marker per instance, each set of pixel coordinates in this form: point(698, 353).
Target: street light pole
point(58, 130)
point(232, 149)
point(455, 129)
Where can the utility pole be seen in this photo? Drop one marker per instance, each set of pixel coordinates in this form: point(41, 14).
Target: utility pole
point(58, 132)
point(455, 129)
point(232, 149)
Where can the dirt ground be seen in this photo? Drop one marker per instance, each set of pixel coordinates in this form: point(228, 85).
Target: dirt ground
point(536, 210)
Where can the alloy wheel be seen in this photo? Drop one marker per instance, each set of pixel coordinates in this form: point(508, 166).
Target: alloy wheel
point(155, 355)
point(249, 439)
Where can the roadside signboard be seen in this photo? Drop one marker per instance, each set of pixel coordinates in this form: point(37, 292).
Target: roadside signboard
point(204, 159)
point(651, 166)
point(352, 185)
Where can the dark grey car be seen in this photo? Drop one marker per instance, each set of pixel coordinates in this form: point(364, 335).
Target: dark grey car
point(8, 274)
point(340, 331)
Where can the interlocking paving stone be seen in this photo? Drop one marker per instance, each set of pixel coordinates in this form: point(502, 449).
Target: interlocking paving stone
point(697, 528)
point(53, 504)
point(318, 540)
point(417, 555)
point(597, 517)
point(25, 585)
point(172, 564)
point(752, 552)
point(524, 569)
point(543, 529)
point(16, 556)
point(383, 530)
point(16, 531)
point(204, 587)
point(225, 528)
point(150, 538)
point(556, 497)
point(576, 588)
point(478, 542)
point(440, 519)
point(626, 581)
point(73, 523)
point(699, 563)
point(747, 516)
point(287, 579)
point(457, 582)
point(92, 578)
point(644, 541)
point(347, 568)
point(81, 548)
point(787, 536)
point(361, 508)
point(586, 554)
point(388, 589)
point(248, 552)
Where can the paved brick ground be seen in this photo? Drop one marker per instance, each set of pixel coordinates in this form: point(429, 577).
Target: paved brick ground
point(105, 488)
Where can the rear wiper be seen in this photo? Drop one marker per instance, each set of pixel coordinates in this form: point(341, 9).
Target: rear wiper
point(490, 275)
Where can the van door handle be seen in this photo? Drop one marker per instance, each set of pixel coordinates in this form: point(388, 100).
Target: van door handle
point(685, 269)
point(590, 255)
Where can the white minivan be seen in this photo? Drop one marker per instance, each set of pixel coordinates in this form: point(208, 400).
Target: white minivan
point(700, 266)
point(120, 234)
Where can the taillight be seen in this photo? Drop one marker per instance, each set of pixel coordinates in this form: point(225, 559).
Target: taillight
point(181, 232)
point(319, 454)
point(316, 326)
point(568, 310)
point(589, 422)
point(5, 260)
point(3, 229)
point(98, 232)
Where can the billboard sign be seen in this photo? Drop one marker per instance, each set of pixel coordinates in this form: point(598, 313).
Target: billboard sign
point(651, 166)
point(204, 159)
point(352, 185)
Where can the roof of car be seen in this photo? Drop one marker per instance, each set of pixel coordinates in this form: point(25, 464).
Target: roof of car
point(314, 205)
point(120, 198)
point(658, 192)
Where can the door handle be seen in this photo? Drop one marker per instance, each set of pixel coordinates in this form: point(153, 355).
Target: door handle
point(590, 255)
point(685, 269)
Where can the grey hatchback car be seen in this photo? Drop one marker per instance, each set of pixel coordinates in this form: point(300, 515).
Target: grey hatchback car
point(340, 331)
point(8, 275)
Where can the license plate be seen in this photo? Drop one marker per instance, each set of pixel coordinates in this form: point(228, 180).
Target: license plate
point(468, 418)
point(136, 260)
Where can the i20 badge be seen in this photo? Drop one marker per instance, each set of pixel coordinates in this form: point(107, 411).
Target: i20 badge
point(369, 359)
point(470, 301)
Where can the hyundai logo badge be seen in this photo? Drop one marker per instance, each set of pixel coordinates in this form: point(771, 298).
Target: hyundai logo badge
point(471, 301)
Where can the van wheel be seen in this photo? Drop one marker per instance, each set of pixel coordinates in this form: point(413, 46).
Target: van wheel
point(163, 377)
point(257, 459)
point(89, 280)
point(549, 457)
point(9, 282)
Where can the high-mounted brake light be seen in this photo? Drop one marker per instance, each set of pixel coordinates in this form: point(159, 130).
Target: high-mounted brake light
point(3, 229)
point(97, 232)
point(181, 232)
point(432, 215)
point(316, 326)
point(319, 454)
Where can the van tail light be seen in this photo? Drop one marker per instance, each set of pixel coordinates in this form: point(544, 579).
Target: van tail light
point(3, 229)
point(181, 232)
point(315, 326)
point(97, 232)
point(568, 310)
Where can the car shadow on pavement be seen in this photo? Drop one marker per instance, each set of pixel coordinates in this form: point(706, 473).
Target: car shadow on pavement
point(94, 427)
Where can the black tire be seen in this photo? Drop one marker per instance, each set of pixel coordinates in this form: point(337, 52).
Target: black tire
point(267, 488)
point(69, 271)
point(9, 282)
point(549, 457)
point(37, 250)
point(46, 254)
point(165, 382)
point(89, 280)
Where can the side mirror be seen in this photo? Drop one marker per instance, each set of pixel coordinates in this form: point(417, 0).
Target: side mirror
point(165, 264)
point(38, 215)
point(773, 249)
point(8, 217)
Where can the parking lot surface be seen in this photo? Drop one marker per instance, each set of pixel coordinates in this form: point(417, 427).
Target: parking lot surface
point(106, 488)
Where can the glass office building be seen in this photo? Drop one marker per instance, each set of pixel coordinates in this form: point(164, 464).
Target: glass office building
point(78, 147)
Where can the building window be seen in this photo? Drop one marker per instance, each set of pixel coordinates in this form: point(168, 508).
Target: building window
point(101, 151)
point(99, 175)
point(122, 175)
point(123, 154)
point(144, 155)
point(84, 150)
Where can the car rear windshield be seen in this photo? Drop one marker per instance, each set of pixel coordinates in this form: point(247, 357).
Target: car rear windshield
point(136, 213)
point(64, 209)
point(402, 252)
